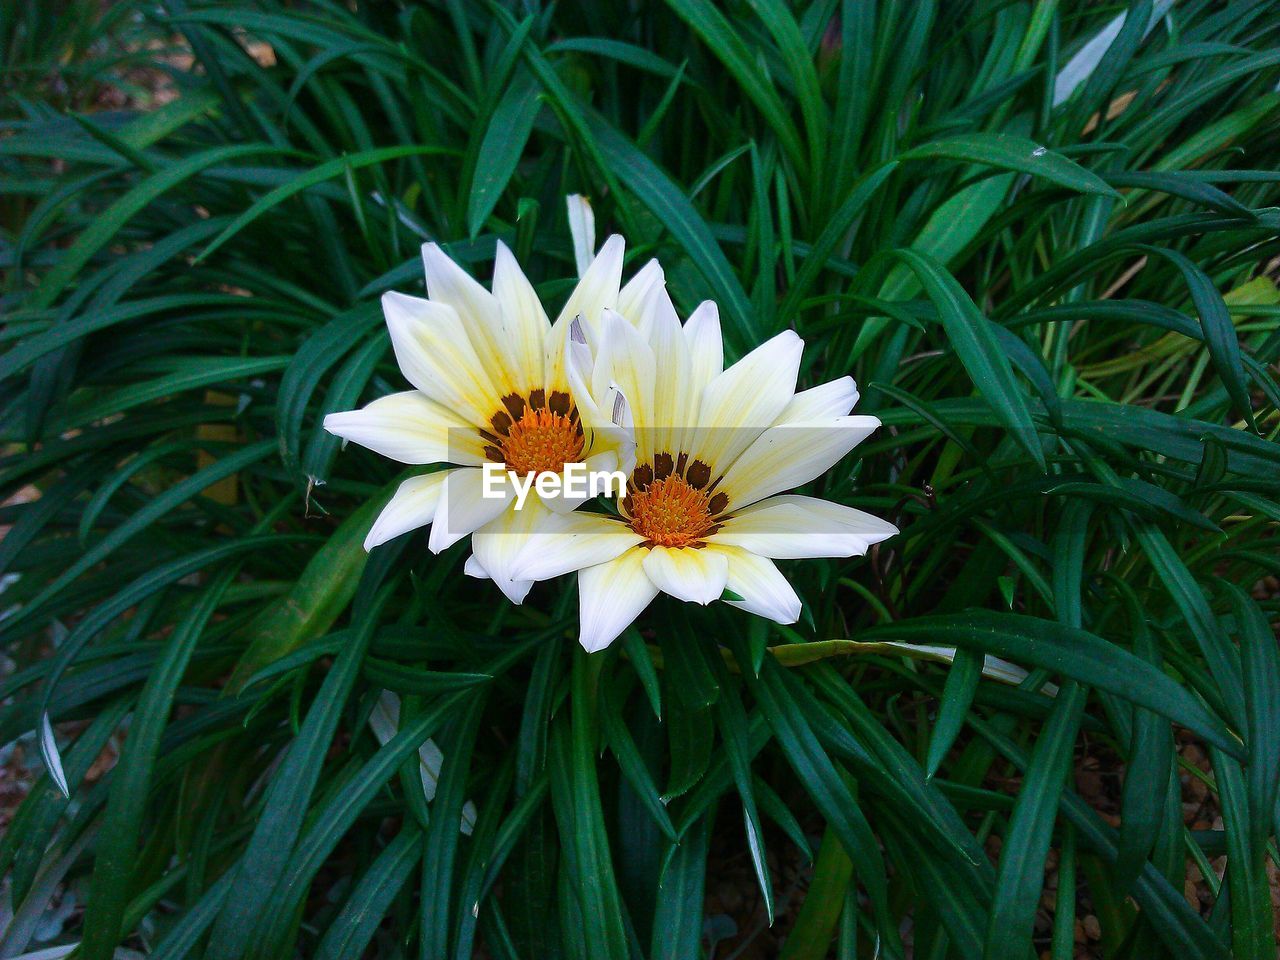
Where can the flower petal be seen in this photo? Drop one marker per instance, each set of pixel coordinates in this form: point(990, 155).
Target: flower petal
point(411, 428)
point(636, 299)
point(598, 289)
point(464, 508)
point(787, 455)
point(564, 542)
point(625, 361)
point(674, 397)
point(610, 596)
point(578, 363)
point(794, 527)
point(498, 543)
point(706, 348)
point(582, 227)
point(523, 318)
point(413, 505)
point(696, 576)
point(745, 399)
point(436, 356)
point(480, 313)
point(762, 587)
point(833, 399)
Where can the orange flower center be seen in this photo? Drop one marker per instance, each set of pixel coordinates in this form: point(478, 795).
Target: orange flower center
point(671, 513)
point(535, 435)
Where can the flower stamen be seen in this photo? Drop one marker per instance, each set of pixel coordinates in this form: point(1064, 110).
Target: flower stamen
point(667, 509)
point(533, 436)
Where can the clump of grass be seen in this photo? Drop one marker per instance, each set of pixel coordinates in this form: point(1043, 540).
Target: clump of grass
point(1045, 247)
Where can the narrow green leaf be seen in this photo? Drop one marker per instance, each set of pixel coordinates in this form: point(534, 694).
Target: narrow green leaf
point(108, 224)
point(735, 733)
point(690, 733)
point(266, 856)
point(666, 201)
point(823, 783)
point(810, 938)
point(832, 235)
point(957, 696)
point(975, 343)
point(1220, 334)
point(117, 852)
point(356, 923)
point(1078, 654)
point(411, 680)
point(1026, 841)
point(1261, 661)
point(677, 917)
point(1223, 659)
point(326, 171)
point(1151, 753)
point(1143, 498)
point(318, 597)
point(719, 34)
point(575, 797)
point(440, 851)
point(1252, 921)
point(632, 764)
point(1009, 151)
point(504, 141)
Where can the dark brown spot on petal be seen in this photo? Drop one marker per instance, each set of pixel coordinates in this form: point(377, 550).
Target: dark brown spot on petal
point(560, 403)
point(501, 423)
point(494, 454)
point(537, 399)
point(682, 462)
point(698, 475)
point(642, 477)
point(718, 503)
point(662, 466)
point(514, 404)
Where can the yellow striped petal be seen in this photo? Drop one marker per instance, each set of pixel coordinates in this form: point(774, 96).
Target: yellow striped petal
point(761, 585)
point(480, 313)
point(524, 319)
point(697, 576)
point(610, 596)
point(706, 348)
point(413, 505)
point(464, 508)
point(794, 527)
point(411, 428)
point(436, 355)
point(790, 454)
point(745, 399)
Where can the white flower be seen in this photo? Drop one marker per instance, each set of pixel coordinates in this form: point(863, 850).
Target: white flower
point(489, 386)
point(702, 517)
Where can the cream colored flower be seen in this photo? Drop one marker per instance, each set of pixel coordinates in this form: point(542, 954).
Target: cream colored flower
point(489, 385)
point(705, 514)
